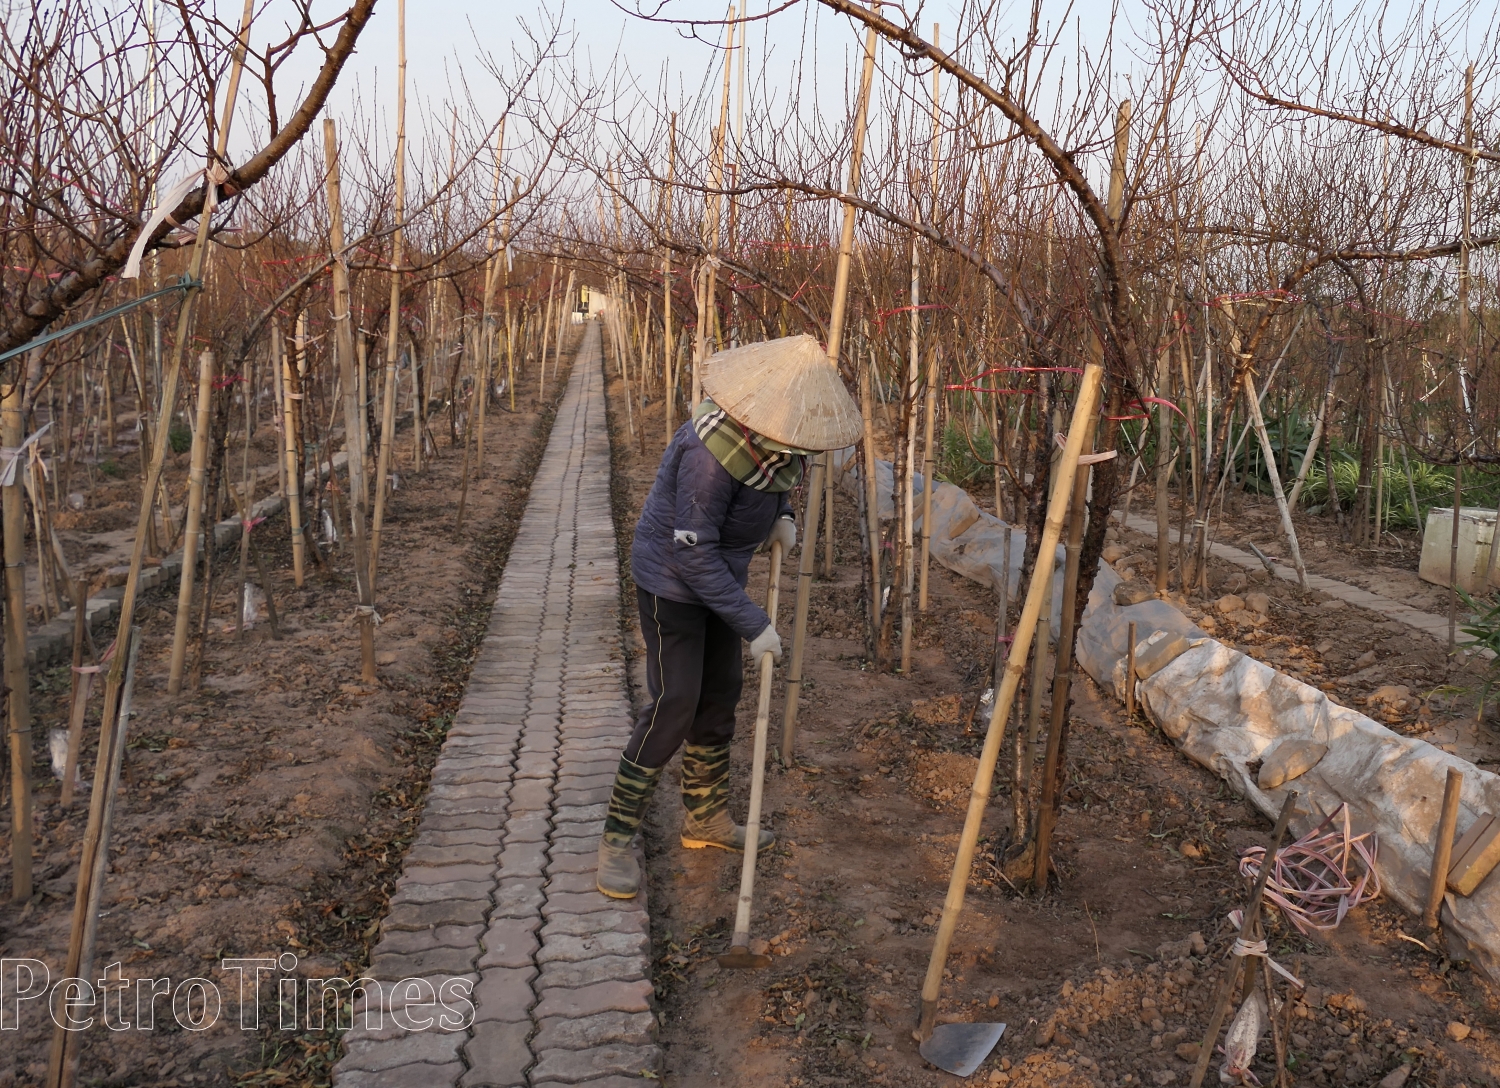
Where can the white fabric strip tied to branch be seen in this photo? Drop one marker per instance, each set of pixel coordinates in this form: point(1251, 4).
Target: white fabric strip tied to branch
point(1088, 458)
point(216, 174)
point(1310, 880)
point(10, 456)
point(1243, 948)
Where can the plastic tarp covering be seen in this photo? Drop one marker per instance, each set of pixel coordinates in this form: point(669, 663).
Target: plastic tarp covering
point(1226, 710)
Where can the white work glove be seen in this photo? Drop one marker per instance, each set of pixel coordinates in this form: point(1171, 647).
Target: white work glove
point(768, 641)
point(784, 532)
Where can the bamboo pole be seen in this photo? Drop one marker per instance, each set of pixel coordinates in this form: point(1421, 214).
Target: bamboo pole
point(510, 329)
point(93, 860)
point(806, 560)
point(276, 362)
point(1270, 458)
point(908, 486)
point(872, 508)
point(669, 376)
point(930, 409)
point(291, 405)
point(192, 541)
point(18, 705)
point(1062, 674)
point(1442, 850)
point(828, 492)
point(343, 343)
point(563, 317)
point(83, 683)
point(845, 258)
point(708, 272)
point(1251, 918)
point(541, 370)
point(1163, 472)
point(393, 331)
point(1057, 508)
point(1463, 348)
point(486, 338)
point(743, 904)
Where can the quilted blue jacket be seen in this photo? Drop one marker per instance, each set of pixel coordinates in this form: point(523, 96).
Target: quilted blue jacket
point(698, 530)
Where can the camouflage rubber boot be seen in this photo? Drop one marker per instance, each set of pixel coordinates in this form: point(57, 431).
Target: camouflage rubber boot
point(705, 795)
point(619, 874)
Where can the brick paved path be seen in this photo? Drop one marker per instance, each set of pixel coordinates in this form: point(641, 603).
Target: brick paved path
point(498, 888)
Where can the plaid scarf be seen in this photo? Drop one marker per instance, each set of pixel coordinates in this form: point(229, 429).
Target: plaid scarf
point(750, 458)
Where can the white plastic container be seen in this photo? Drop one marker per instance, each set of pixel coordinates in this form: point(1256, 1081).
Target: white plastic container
point(1476, 532)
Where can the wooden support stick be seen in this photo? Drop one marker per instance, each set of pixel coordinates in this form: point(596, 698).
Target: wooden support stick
point(343, 343)
point(806, 560)
point(83, 682)
point(1054, 769)
point(192, 541)
point(1130, 673)
point(929, 461)
point(18, 718)
point(741, 940)
point(93, 861)
point(1442, 851)
point(1229, 984)
point(1084, 408)
point(393, 330)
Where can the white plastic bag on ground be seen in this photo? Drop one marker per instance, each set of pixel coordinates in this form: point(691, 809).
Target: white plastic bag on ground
point(1242, 1039)
point(255, 601)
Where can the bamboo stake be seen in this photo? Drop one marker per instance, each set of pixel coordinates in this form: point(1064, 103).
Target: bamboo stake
point(708, 270)
point(1062, 674)
point(193, 534)
point(83, 683)
point(1237, 960)
point(275, 363)
point(846, 254)
point(1442, 851)
point(393, 331)
point(871, 504)
point(1163, 472)
point(93, 861)
point(1458, 494)
point(18, 706)
point(806, 560)
point(828, 491)
point(510, 330)
point(930, 410)
point(741, 941)
point(1270, 458)
point(563, 316)
point(344, 349)
point(541, 370)
point(487, 337)
point(669, 376)
point(1463, 347)
point(1057, 508)
point(908, 487)
point(291, 402)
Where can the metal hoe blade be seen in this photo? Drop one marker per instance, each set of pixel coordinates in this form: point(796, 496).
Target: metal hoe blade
point(741, 957)
point(960, 1048)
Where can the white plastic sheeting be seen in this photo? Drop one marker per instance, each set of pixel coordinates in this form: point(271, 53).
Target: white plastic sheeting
point(1227, 710)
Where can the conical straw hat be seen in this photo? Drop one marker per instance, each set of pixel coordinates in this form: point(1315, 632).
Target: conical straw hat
point(786, 390)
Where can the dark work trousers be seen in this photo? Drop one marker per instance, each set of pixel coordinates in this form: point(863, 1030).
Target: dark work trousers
point(693, 673)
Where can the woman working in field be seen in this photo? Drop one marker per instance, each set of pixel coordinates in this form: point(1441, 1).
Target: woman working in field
point(723, 489)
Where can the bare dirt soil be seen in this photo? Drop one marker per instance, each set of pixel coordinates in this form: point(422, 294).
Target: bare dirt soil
point(268, 811)
point(1401, 677)
point(1103, 981)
